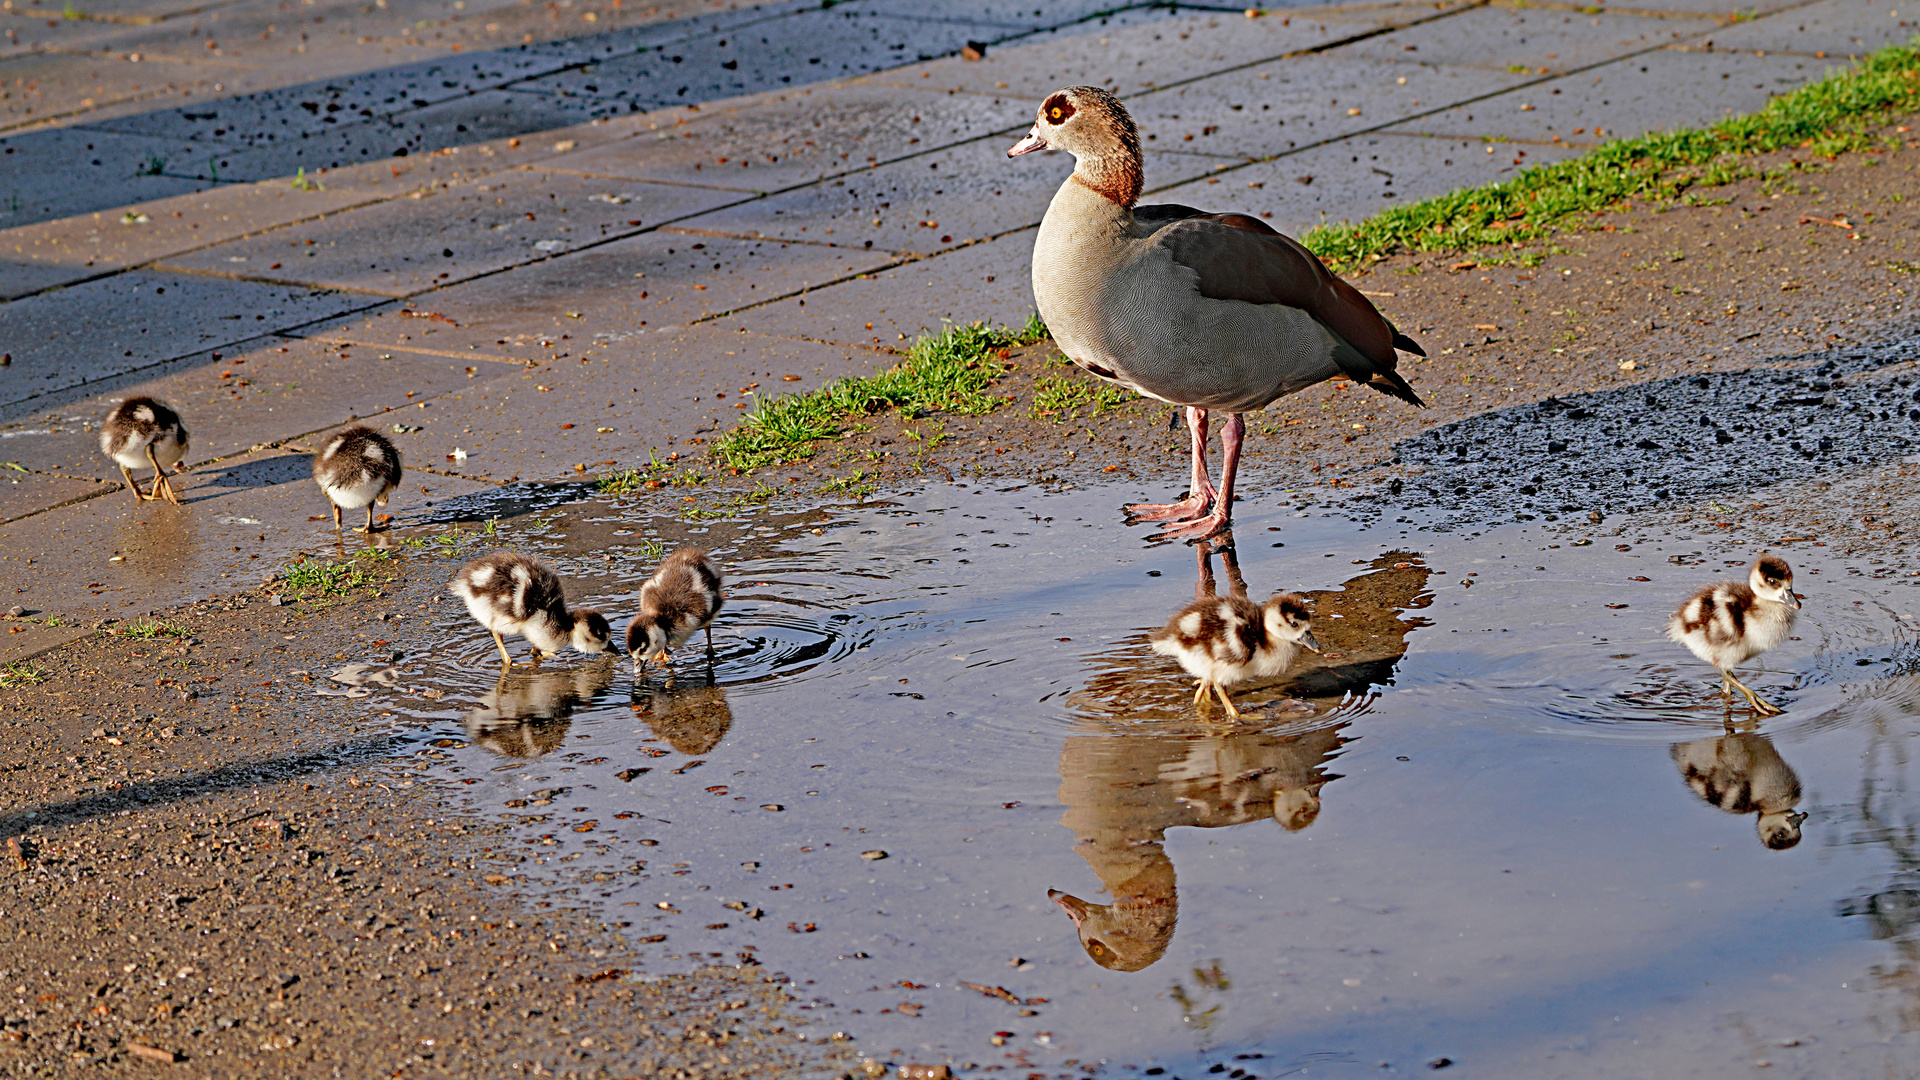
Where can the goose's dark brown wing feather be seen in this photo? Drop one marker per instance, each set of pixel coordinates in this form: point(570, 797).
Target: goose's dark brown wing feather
point(1238, 257)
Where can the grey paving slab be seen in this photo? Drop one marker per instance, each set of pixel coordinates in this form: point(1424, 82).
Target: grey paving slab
point(1130, 59)
point(990, 282)
point(1837, 28)
point(1655, 91)
point(692, 23)
point(58, 252)
point(780, 140)
point(1530, 39)
point(29, 493)
point(288, 387)
point(97, 330)
point(493, 115)
point(1356, 178)
point(240, 520)
point(807, 47)
point(580, 304)
point(295, 113)
point(652, 391)
point(44, 87)
point(927, 204)
point(28, 28)
point(405, 246)
point(1719, 9)
point(98, 169)
point(1276, 107)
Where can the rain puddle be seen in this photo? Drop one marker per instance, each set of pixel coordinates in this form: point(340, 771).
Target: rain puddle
point(933, 775)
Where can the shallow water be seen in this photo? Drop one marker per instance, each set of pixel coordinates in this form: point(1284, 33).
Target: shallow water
point(1464, 833)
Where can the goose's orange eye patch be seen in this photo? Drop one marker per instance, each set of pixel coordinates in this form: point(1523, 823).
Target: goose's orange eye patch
point(1058, 109)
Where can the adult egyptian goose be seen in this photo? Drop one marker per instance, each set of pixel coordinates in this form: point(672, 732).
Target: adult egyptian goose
point(679, 601)
point(1731, 622)
point(1227, 640)
point(357, 467)
point(141, 432)
point(509, 593)
point(1214, 312)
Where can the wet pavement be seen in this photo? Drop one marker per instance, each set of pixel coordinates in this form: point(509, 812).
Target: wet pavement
point(1467, 831)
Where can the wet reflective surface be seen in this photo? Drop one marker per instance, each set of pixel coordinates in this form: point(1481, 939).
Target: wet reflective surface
point(933, 774)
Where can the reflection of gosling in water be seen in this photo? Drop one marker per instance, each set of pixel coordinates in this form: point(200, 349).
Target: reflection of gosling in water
point(1224, 641)
point(692, 721)
point(1730, 622)
point(1743, 774)
point(512, 594)
point(679, 601)
point(527, 713)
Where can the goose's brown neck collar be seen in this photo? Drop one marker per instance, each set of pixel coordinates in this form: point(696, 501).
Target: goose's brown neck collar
point(1114, 176)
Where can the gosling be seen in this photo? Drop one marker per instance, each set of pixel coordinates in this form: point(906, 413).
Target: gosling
point(357, 467)
point(511, 594)
point(1224, 641)
point(680, 600)
point(1729, 623)
point(141, 432)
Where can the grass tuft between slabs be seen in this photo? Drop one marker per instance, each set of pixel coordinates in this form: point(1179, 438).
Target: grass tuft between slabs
point(946, 372)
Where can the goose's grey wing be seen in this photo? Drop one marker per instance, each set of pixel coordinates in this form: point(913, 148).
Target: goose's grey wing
point(1238, 257)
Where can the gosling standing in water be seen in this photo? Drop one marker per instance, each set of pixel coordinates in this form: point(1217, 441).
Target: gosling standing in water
point(357, 467)
point(141, 432)
point(1729, 623)
point(1223, 641)
point(681, 599)
point(512, 594)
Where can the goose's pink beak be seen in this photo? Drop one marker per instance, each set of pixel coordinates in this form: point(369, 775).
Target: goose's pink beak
point(1028, 145)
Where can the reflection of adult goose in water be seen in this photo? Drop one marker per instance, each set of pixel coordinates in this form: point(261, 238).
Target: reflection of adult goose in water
point(1124, 791)
point(1743, 774)
point(692, 720)
point(1141, 766)
point(527, 713)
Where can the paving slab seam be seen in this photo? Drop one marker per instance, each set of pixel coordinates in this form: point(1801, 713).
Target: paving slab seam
point(212, 351)
point(1380, 129)
point(450, 354)
point(72, 501)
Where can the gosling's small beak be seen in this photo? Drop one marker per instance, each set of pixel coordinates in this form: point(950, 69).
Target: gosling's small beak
point(1028, 145)
point(1794, 599)
point(1794, 819)
point(1307, 639)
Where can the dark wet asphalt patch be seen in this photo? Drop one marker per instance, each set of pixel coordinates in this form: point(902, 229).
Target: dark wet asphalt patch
point(1670, 442)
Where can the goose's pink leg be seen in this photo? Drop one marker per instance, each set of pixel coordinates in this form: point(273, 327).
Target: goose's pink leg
point(1231, 436)
point(1200, 494)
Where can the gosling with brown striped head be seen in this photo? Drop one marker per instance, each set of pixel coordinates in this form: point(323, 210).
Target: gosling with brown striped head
point(680, 600)
point(1225, 641)
point(1731, 622)
point(1213, 312)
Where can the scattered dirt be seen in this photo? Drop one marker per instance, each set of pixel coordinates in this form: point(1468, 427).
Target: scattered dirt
point(245, 883)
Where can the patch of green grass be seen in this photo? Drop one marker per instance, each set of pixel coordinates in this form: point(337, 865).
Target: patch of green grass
point(657, 473)
point(71, 12)
point(651, 550)
point(946, 372)
point(1899, 267)
point(1060, 397)
point(20, 673)
point(856, 483)
point(337, 578)
point(1843, 112)
point(151, 628)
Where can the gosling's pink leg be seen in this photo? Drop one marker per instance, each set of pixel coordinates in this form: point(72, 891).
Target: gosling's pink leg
point(1231, 436)
point(1200, 492)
